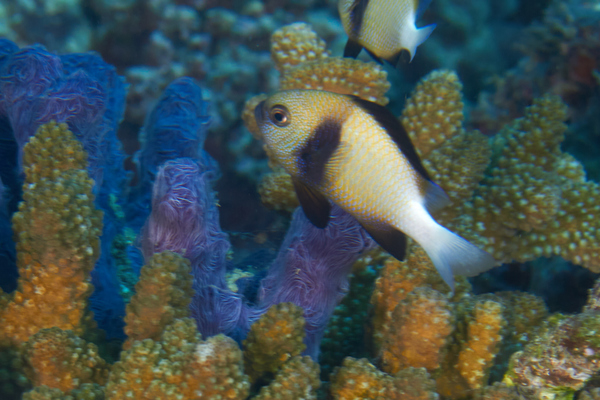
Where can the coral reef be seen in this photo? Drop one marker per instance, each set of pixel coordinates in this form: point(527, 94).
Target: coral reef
point(178, 365)
point(515, 192)
point(57, 232)
point(358, 379)
point(562, 358)
point(533, 200)
point(298, 379)
point(58, 359)
point(277, 336)
point(162, 295)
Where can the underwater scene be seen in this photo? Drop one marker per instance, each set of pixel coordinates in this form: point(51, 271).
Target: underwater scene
point(284, 199)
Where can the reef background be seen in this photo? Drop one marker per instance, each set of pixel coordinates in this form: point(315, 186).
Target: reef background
point(509, 55)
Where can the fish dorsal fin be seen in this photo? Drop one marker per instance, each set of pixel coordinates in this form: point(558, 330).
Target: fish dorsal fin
point(315, 206)
point(357, 16)
point(389, 238)
point(395, 130)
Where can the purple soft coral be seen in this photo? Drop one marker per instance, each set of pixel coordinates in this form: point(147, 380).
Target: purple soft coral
point(185, 219)
point(312, 268)
point(176, 128)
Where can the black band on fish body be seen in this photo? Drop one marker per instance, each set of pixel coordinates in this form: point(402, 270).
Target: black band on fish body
point(390, 123)
point(313, 157)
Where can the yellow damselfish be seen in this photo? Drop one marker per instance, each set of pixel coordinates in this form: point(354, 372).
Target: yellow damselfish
point(383, 27)
point(357, 155)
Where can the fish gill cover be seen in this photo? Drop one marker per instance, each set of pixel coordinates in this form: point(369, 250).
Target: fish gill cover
point(500, 103)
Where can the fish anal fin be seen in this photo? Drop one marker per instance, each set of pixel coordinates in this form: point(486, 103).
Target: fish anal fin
point(389, 238)
point(435, 197)
point(352, 49)
point(315, 206)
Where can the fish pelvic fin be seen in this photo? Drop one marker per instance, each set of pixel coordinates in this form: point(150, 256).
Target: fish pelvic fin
point(416, 38)
point(452, 255)
point(352, 49)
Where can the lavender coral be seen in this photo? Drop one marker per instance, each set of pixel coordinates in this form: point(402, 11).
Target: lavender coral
point(312, 267)
point(87, 94)
point(184, 219)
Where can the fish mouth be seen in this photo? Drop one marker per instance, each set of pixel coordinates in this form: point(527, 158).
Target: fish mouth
point(259, 112)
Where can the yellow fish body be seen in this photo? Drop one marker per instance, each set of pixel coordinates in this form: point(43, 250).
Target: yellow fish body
point(356, 154)
point(383, 27)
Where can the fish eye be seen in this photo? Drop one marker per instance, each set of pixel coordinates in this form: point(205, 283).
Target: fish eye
point(280, 115)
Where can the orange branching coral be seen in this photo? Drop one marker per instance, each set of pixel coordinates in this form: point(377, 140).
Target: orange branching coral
point(536, 201)
point(163, 294)
point(360, 380)
point(276, 337)
point(484, 333)
point(311, 68)
point(458, 166)
point(295, 44)
point(397, 279)
point(277, 191)
point(455, 158)
point(56, 230)
point(248, 115)
point(298, 379)
point(178, 366)
point(419, 329)
point(434, 111)
point(61, 360)
point(340, 75)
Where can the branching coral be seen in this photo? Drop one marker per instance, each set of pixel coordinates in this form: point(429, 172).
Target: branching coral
point(163, 294)
point(419, 329)
point(296, 44)
point(179, 365)
point(61, 360)
point(533, 199)
point(276, 337)
point(360, 380)
point(56, 230)
point(298, 379)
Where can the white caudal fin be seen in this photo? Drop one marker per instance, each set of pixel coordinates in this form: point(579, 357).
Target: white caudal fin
point(416, 38)
point(453, 255)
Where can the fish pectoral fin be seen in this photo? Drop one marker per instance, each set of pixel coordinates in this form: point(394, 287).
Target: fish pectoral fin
point(316, 207)
point(352, 49)
point(391, 239)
